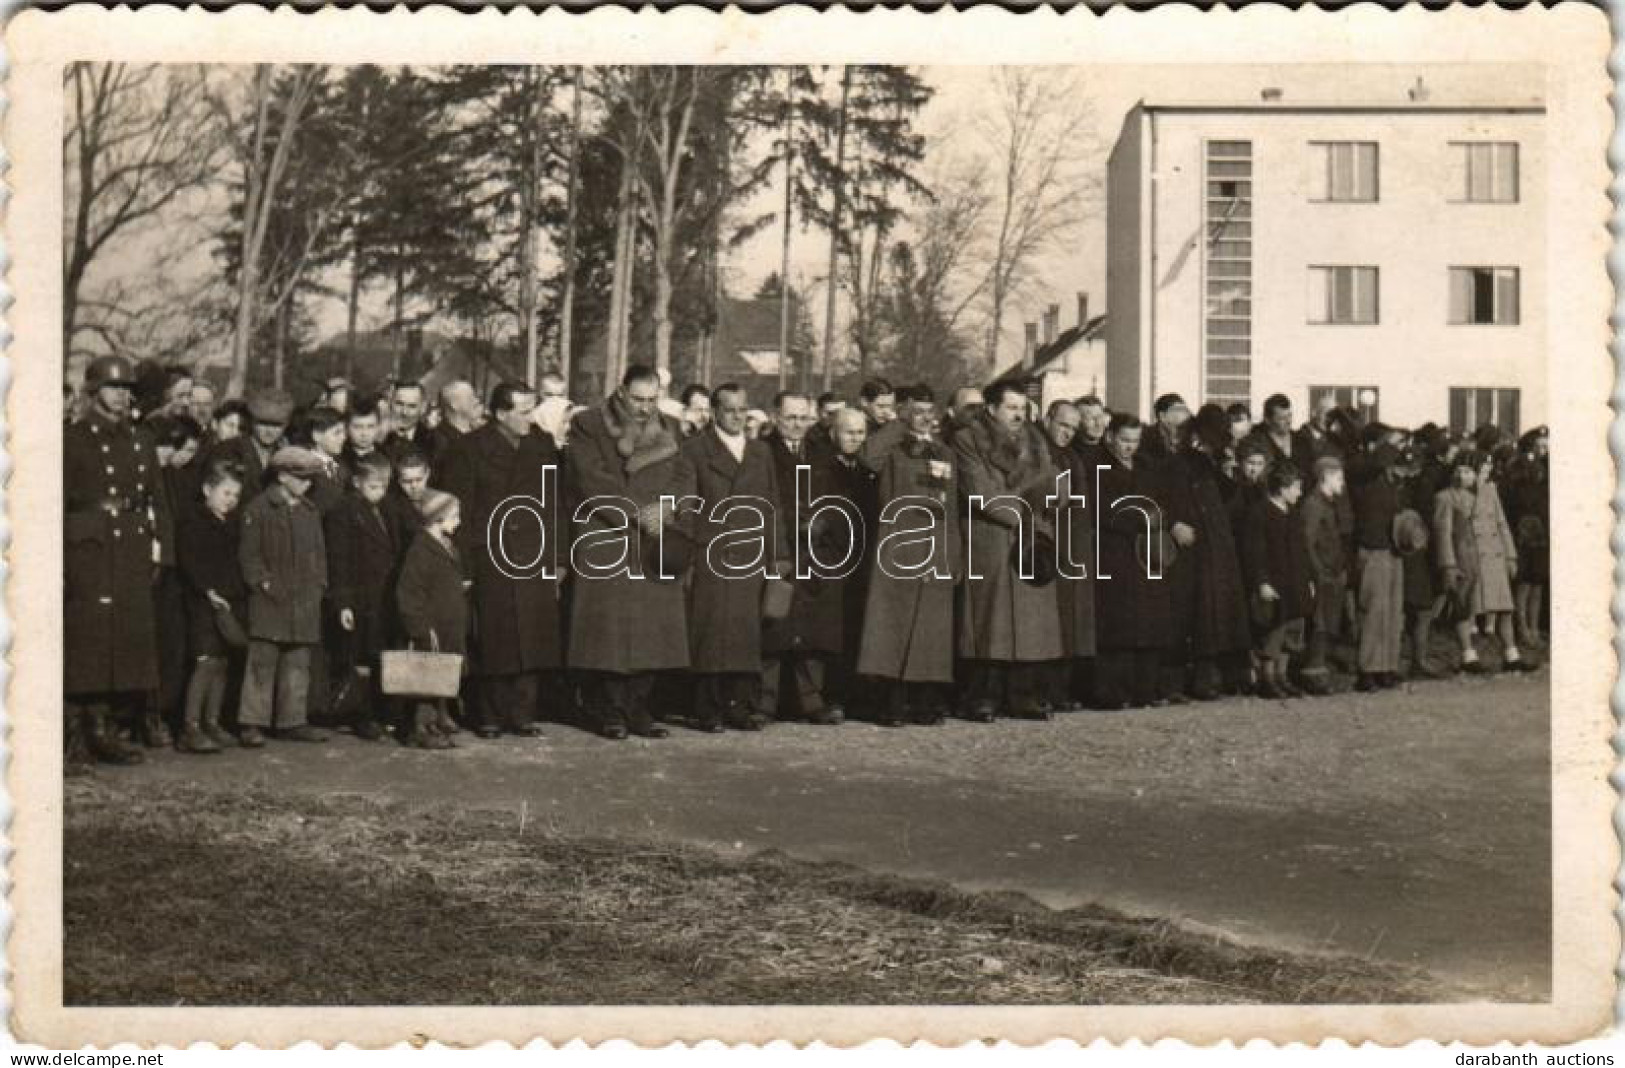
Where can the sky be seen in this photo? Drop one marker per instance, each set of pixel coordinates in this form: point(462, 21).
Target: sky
point(948, 122)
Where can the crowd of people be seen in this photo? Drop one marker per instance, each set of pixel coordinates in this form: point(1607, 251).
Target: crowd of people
point(235, 569)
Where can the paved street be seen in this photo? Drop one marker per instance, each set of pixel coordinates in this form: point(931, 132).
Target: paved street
point(1411, 827)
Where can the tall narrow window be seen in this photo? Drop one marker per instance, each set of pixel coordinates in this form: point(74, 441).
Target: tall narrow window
point(1343, 296)
point(1484, 172)
point(1484, 296)
point(1228, 261)
point(1348, 171)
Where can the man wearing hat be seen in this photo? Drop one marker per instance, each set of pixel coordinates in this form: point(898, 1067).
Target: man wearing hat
point(284, 560)
point(111, 496)
point(270, 410)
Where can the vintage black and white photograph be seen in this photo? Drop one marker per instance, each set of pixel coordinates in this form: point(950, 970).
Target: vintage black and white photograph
point(950, 532)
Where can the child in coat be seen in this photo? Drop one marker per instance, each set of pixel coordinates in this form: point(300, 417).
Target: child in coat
point(432, 597)
point(362, 555)
point(207, 541)
point(1275, 564)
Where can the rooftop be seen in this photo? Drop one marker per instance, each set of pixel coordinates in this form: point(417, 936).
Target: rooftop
point(1533, 106)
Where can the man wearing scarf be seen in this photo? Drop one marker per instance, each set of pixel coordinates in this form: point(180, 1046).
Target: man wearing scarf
point(628, 623)
point(735, 471)
point(908, 637)
point(1010, 628)
point(517, 612)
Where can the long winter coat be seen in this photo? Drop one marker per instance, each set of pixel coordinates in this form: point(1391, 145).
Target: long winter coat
point(517, 616)
point(1419, 493)
point(725, 610)
point(1218, 600)
point(1274, 553)
point(363, 552)
point(1132, 610)
point(1471, 534)
point(908, 622)
point(1075, 526)
point(623, 624)
point(208, 552)
point(1004, 618)
point(284, 558)
point(111, 498)
point(1328, 556)
point(431, 597)
point(815, 623)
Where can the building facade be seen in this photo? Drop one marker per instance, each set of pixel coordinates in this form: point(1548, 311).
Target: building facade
point(1392, 254)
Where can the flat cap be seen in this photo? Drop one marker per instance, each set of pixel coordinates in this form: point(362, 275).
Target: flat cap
point(296, 461)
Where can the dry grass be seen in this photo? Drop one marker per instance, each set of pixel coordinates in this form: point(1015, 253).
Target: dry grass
point(214, 898)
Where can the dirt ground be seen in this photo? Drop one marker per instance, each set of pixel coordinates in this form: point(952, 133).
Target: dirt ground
point(1410, 828)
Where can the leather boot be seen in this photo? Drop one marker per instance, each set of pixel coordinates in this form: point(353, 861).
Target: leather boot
point(105, 744)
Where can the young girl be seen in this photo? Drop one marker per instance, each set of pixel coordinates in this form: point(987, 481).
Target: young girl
point(1477, 558)
point(207, 539)
point(1275, 561)
point(432, 595)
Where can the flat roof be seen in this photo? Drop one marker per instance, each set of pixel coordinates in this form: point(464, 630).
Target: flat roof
point(1526, 107)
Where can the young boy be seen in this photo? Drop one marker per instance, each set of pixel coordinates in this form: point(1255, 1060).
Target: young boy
point(327, 441)
point(1275, 563)
point(207, 547)
point(432, 597)
point(1328, 565)
point(284, 563)
point(361, 429)
point(362, 554)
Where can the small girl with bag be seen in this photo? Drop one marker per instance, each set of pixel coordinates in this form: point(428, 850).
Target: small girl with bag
point(432, 597)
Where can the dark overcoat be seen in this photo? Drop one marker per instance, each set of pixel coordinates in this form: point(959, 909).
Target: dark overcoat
point(111, 498)
point(284, 559)
point(431, 597)
point(208, 553)
point(1218, 599)
point(363, 554)
point(816, 621)
point(1004, 618)
point(1132, 610)
point(1418, 494)
point(630, 621)
point(517, 616)
point(421, 441)
point(1274, 553)
point(908, 621)
point(1075, 526)
point(725, 611)
point(1328, 556)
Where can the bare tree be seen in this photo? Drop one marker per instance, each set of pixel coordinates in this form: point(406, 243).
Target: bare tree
point(276, 111)
point(137, 138)
point(1036, 129)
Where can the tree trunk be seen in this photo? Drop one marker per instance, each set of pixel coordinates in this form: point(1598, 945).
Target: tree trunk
point(784, 255)
point(353, 310)
point(835, 230)
point(399, 348)
point(279, 343)
point(567, 312)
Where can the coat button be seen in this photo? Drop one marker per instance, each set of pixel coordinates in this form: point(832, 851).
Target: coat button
point(104, 600)
point(110, 470)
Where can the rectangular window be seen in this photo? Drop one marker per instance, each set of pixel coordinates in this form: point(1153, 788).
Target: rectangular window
point(1348, 170)
point(1361, 399)
point(1343, 296)
point(1484, 296)
point(1472, 407)
point(1484, 172)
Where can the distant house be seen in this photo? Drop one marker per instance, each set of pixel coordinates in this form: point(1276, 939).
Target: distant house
point(1067, 365)
point(744, 350)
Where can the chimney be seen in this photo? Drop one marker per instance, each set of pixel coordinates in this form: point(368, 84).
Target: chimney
point(1418, 92)
point(1271, 94)
point(1083, 310)
point(1052, 323)
point(1032, 345)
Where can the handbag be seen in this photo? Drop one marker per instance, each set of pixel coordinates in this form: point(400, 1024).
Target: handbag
point(416, 673)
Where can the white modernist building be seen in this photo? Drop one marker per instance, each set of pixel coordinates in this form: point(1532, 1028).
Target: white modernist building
point(1391, 253)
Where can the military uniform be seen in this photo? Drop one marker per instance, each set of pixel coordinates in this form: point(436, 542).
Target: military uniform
point(112, 494)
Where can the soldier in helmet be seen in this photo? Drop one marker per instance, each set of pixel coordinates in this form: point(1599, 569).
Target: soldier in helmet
point(112, 493)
